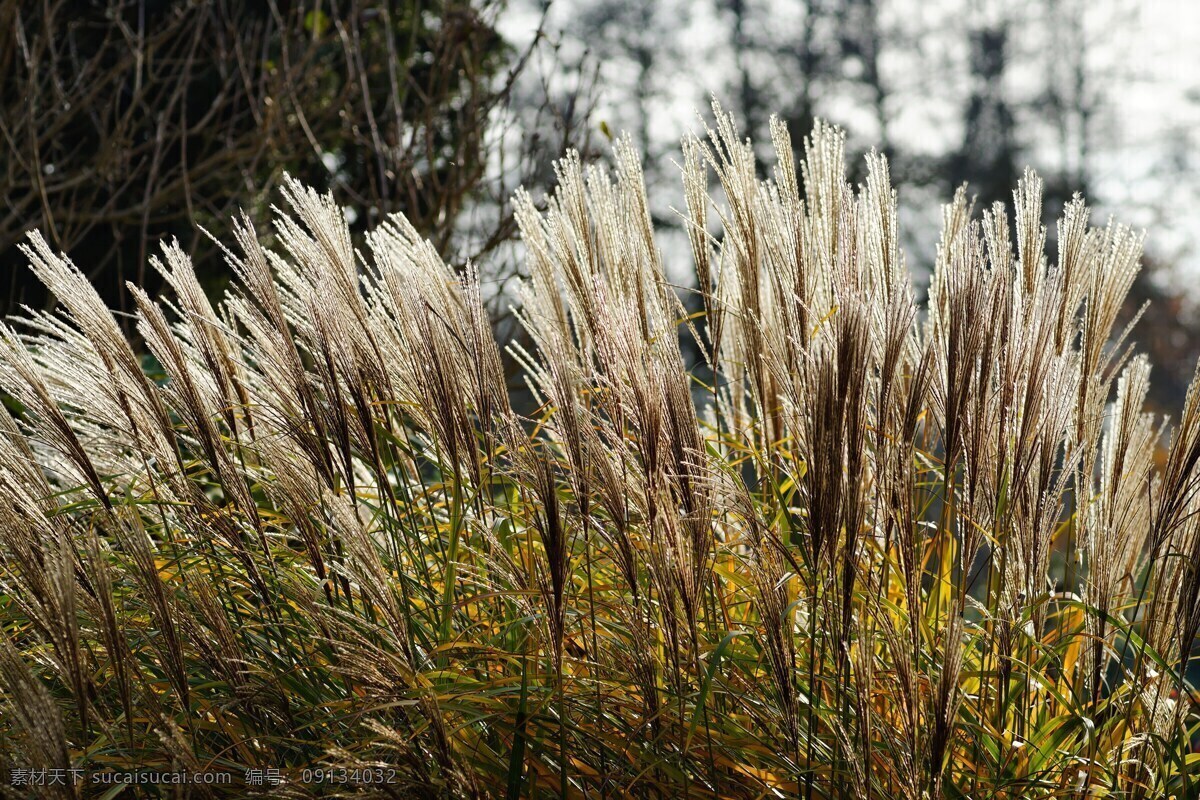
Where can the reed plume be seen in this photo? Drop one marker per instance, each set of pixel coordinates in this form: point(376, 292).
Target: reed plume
point(782, 530)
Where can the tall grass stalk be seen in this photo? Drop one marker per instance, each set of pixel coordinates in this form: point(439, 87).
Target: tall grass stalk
point(865, 548)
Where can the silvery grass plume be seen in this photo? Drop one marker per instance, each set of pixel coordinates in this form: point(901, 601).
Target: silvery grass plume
point(812, 539)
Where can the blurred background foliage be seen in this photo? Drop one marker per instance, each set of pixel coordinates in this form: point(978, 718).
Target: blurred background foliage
point(124, 122)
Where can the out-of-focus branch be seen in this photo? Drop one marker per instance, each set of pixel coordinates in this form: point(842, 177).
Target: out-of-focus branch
point(125, 122)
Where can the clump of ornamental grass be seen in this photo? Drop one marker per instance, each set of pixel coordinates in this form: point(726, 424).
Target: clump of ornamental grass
point(865, 548)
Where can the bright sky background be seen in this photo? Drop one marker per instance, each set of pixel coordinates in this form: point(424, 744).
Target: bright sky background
point(1159, 111)
point(1144, 56)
